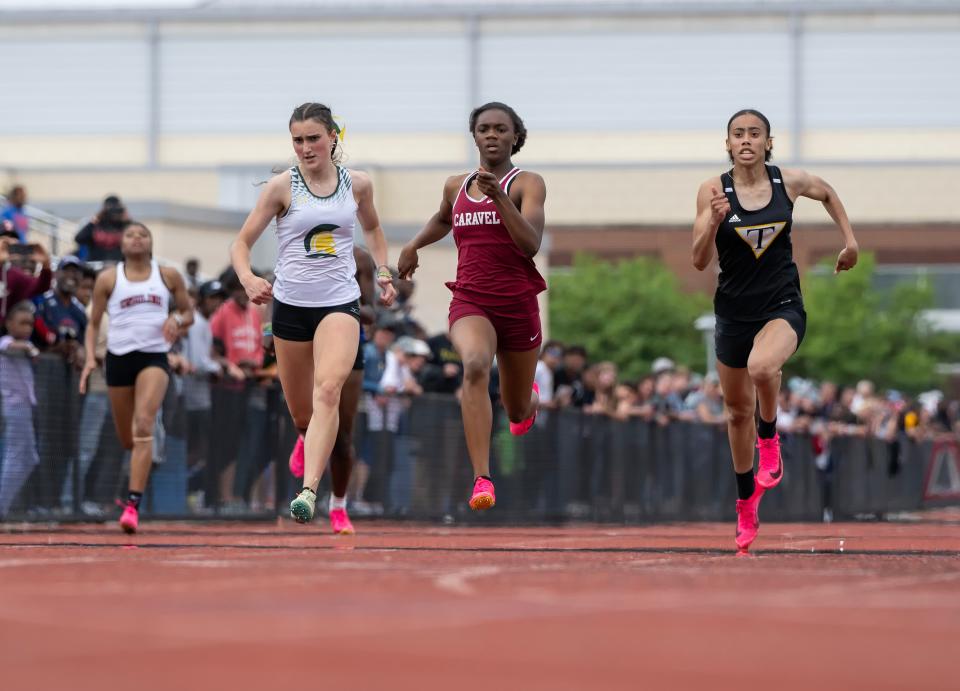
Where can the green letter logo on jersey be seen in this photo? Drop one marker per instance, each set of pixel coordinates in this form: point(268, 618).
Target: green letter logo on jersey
point(319, 241)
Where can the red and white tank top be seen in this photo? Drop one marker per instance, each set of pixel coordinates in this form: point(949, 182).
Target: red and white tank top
point(137, 311)
point(491, 269)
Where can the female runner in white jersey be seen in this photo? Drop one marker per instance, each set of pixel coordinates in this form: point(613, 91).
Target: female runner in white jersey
point(136, 294)
point(316, 310)
point(747, 214)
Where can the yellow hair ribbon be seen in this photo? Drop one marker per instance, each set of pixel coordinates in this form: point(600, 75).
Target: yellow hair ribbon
point(341, 127)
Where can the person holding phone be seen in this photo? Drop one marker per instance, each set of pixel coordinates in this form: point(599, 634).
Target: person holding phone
point(16, 283)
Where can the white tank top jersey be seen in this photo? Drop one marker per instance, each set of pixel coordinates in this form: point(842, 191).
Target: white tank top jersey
point(137, 311)
point(315, 265)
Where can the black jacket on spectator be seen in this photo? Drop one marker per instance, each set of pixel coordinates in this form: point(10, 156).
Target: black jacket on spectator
point(580, 396)
point(432, 378)
point(101, 242)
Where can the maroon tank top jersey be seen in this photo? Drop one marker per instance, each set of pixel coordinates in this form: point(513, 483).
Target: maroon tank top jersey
point(495, 279)
point(490, 267)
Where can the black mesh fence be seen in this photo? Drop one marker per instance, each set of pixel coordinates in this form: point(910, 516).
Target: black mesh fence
point(221, 450)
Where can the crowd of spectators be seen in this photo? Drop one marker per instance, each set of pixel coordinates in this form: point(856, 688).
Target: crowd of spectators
point(219, 404)
point(670, 393)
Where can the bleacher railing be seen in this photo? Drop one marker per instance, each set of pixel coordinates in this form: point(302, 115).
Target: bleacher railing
point(229, 459)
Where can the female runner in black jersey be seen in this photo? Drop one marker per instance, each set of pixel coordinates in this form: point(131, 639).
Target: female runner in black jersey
point(747, 213)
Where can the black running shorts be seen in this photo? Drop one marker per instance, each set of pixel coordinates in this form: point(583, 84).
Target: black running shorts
point(122, 370)
point(293, 323)
point(734, 339)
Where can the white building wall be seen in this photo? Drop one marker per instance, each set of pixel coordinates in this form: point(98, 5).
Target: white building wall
point(636, 75)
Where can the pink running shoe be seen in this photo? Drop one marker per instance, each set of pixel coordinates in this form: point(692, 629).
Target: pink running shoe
point(747, 520)
point(296, 458)
point(519, 428)
point(770, 472)
point(483, 497)
point(340, 522)
point(130, 519)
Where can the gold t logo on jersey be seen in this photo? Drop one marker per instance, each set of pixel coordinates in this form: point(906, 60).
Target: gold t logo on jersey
point(760, 237)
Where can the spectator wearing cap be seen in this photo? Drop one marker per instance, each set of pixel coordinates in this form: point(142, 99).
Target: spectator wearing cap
point(198, 351)
point(99, 239)
point(198, 343)
point(15, 212)
point(17, 283)
point(707, 402)
point(666, 404)
point(61, 318)
point(93, 415)
point(660, 365)
point(682, 383)
point(374, 405)
point(60, 327)
point(405, 360)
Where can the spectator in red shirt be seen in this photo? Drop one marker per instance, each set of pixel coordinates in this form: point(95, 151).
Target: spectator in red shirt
point(238, 346)
point(237, 337)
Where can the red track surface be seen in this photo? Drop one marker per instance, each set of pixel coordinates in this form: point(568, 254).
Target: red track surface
point(251, 606)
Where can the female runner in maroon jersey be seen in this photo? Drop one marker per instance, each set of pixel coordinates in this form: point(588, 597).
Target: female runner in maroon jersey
point(496, 214)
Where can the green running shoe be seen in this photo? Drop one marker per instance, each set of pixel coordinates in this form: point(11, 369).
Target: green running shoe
point(303, 506)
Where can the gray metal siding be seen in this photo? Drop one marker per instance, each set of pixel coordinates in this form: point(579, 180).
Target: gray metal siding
point(94, 85)
point(592, 80)
point(383, 83)
point(640, 81)
point(882, 79)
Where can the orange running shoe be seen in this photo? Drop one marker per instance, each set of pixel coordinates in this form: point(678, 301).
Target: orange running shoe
point(483, 496)
point(340, 522)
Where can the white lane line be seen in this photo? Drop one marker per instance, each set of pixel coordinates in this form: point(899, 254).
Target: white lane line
point(456, 581)
point(45, 561)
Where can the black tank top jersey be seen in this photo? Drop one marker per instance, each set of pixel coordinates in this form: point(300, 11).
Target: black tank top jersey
point(757, 274)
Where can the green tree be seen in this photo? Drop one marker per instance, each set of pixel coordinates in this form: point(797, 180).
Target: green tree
point(856, 332)
point(629, 312)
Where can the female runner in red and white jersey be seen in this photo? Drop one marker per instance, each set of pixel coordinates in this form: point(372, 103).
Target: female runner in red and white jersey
point(138, 295)
point(496, 214)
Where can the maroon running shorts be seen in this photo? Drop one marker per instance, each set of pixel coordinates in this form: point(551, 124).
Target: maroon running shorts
point(517, 323)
